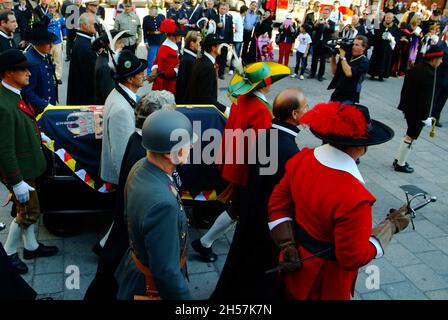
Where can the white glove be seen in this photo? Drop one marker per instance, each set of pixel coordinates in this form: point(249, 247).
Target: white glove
point(22, 191)
point(45, 138)
point(427, 122)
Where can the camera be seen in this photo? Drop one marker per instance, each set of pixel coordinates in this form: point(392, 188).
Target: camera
point(332, 46)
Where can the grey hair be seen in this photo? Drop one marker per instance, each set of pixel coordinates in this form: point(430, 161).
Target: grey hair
point(153, 101)
point(85, 18)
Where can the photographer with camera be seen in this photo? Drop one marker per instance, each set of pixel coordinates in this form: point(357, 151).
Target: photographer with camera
point(350, 71)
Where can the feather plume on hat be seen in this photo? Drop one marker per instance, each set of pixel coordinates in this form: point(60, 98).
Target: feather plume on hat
point(336, 119)
point(168, 26)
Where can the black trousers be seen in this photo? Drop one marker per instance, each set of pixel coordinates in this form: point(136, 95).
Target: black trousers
point(440, 98)
point(246, 56)
point(222, 61)
point(320, 57)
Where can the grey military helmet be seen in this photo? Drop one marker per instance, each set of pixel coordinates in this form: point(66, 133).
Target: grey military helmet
point(167, 130)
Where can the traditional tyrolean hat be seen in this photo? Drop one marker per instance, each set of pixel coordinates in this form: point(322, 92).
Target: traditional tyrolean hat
point(346, 125)
point(128, 65)
point(256, 76)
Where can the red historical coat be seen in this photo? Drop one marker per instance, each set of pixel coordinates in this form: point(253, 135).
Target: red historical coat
point(166, 61)
point(332, 206)
point(251, 111)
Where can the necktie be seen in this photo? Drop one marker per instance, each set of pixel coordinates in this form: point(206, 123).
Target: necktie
point(223, 25)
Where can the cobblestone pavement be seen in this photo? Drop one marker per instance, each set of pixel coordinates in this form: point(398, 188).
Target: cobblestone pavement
point(415, 265)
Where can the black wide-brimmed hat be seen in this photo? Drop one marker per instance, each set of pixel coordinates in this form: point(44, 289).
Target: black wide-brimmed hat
point(39, 33)
point(103, 40)
point(434, 51)
point(14, 59)
point(346, 125)
point(212, 39)
point(128, 65)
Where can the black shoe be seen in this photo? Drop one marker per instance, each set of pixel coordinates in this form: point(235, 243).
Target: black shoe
point(59, 81)
point(381, 79)
point(438, 124)
point(18, 264)
point(396, 161)
point(406, 168)
point(311, 76)
point(206, 253)
point(97, 249)
point(221, 76)
point(372, 78)
point(41, 251)
point(321, 79)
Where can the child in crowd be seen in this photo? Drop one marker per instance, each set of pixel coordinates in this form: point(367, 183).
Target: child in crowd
point(302, 49)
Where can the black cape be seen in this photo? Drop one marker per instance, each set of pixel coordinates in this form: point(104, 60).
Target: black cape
point(104, 83)
point(12, 285)
point(252, 251)
point(104, 286)
point(80, 89)
point(203, 85)
point(185, 65)
point(417, 92)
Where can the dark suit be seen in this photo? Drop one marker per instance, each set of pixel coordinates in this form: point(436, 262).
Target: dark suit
point(41, 90)
point(309, 21)
point(322, 33)
point(6, 43)
point(227, 34)
point(441, 94)
point(183, 75)
point(210, 14)
point(23, 19)
point(80, 89)
point(202, 85)
point(194, 15)
point(252, 251)
point(157, 227)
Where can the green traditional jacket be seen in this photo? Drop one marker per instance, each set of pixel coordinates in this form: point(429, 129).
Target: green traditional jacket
point(21, 155)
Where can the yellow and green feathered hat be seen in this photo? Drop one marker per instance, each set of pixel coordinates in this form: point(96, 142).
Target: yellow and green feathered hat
point(256, 76)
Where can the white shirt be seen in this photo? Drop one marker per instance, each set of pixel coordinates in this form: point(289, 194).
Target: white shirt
point(131, 94)
point(260, 95)
point(239, 29)
point(208, 55)
point(303, 40)
point(4, 35)
point(191, 53)
point(11, 88)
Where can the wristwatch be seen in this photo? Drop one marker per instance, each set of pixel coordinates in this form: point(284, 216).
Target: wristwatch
point(344, 59)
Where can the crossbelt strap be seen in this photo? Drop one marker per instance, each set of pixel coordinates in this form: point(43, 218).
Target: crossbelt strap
point(151, 290)
point(320, 249)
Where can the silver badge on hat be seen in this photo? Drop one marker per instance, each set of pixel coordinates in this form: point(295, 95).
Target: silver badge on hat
point(127, 64)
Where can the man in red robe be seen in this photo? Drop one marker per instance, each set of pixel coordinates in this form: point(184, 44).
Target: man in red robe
point(321, 208)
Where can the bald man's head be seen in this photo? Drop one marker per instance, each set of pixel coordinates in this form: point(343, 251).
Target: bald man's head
point(290, 105)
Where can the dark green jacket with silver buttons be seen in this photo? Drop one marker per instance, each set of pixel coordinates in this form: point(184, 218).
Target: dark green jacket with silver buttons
point(21, 156)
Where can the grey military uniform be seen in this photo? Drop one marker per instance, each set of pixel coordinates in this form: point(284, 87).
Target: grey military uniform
point(131, 22)
point(157, 227)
